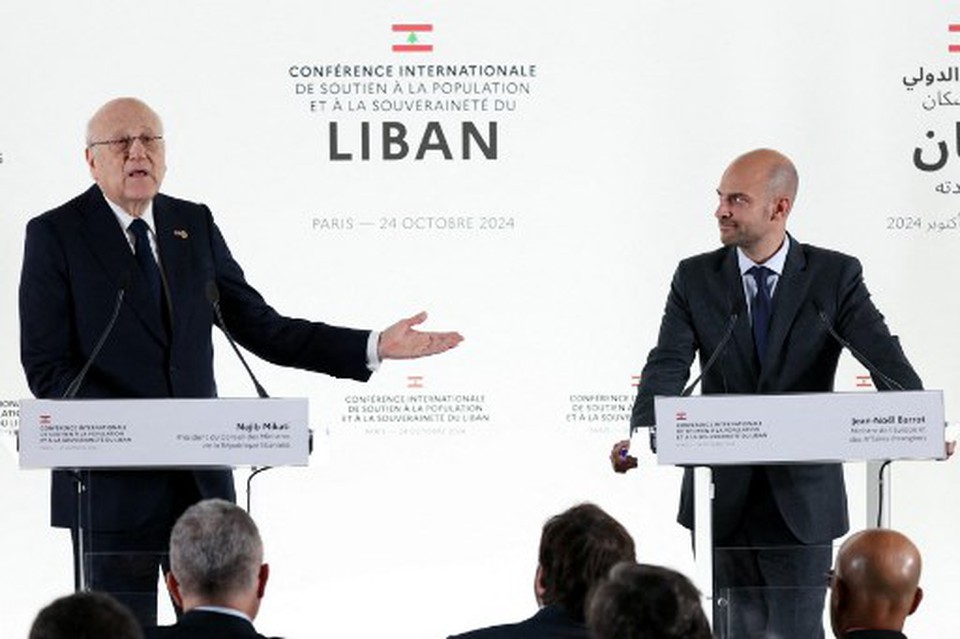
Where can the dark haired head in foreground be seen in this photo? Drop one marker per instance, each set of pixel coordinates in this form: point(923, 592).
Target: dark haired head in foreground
point(640, 601)
point(577, 549)
point(86, 615)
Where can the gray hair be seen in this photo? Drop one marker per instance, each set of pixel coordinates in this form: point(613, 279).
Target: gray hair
point(215, 549)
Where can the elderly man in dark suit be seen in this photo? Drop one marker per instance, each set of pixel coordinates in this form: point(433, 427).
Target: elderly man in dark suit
point(765, 304)
point(217, 575)
point(159, 263)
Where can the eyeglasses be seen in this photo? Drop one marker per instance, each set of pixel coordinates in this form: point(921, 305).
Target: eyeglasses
point(119, 146)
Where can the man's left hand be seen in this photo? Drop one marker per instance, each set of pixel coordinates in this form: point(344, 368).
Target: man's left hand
point(402, 341)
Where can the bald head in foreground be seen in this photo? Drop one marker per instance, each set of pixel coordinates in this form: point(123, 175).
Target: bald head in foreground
point(875, 585)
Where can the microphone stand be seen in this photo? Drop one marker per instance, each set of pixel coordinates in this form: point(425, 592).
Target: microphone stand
point(82, 476)
point(213, 295)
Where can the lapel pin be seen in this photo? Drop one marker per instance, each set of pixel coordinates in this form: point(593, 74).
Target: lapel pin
point(180, 233)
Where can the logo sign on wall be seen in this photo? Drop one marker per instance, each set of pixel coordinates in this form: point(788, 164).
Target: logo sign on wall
point(933, 96)
point(414, 106)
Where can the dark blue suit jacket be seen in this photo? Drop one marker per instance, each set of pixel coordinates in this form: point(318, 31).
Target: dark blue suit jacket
point(76, 258)
point(550, 622)
point(203, 624)
point(801, 356)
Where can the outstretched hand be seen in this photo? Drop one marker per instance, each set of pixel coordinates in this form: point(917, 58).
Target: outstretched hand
point(402, 341)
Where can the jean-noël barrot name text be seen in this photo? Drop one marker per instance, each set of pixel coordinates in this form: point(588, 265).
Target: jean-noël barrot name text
point(888, 420)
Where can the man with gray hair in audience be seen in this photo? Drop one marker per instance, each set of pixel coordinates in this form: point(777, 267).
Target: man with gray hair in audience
point(217, 575)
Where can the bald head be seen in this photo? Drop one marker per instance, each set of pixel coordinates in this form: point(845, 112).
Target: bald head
point(756, 195)
point(125, 153)
point(876, 581)
point(117, 111)
point(771, 168)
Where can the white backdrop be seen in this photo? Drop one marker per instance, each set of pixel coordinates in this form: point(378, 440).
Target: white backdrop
point(606, 165)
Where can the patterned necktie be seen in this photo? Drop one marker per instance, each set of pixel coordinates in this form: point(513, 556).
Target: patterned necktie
point(145, 259)
point(760, 310)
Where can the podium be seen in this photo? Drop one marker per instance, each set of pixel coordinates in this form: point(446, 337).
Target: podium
point(162, 433)
point(92, 439)
point(716, 430)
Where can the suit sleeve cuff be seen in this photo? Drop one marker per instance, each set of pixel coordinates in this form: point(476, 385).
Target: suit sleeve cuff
point(373, 356)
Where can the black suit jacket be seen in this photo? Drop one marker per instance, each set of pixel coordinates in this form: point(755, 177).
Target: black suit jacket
point(204, 624)
point(707, 290)
point(76, 259)
point(550, 622)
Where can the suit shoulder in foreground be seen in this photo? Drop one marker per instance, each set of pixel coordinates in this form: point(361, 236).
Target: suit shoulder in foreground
point(203, 624)
point(551, 622)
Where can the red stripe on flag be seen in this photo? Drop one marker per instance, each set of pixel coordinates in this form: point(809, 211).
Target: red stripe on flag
point(406, 48)
point(954, 48)
point(953, 27)
point(413, 27)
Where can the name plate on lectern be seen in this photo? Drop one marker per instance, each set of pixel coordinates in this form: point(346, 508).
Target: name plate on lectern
point(123, 433)
point(827, 427)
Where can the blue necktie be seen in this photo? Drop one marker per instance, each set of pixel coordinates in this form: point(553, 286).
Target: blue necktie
point(761, 309)
point(146, 261)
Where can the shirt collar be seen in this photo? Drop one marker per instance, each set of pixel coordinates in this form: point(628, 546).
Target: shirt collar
point(775, 263)
point(223, 611)
point(125, 218)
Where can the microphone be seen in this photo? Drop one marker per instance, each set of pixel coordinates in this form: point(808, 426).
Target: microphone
point(734, 316)
point(721, 347)
point(892, 384)
point(77, 381)
point(213, 296)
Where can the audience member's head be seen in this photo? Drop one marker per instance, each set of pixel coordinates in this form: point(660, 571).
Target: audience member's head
point(216, 558)
point(640, 601)
point(86, 615)
point(577, 549)
point(875, 582)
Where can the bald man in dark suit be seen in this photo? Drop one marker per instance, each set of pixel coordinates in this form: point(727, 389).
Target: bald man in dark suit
point(777, 296)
